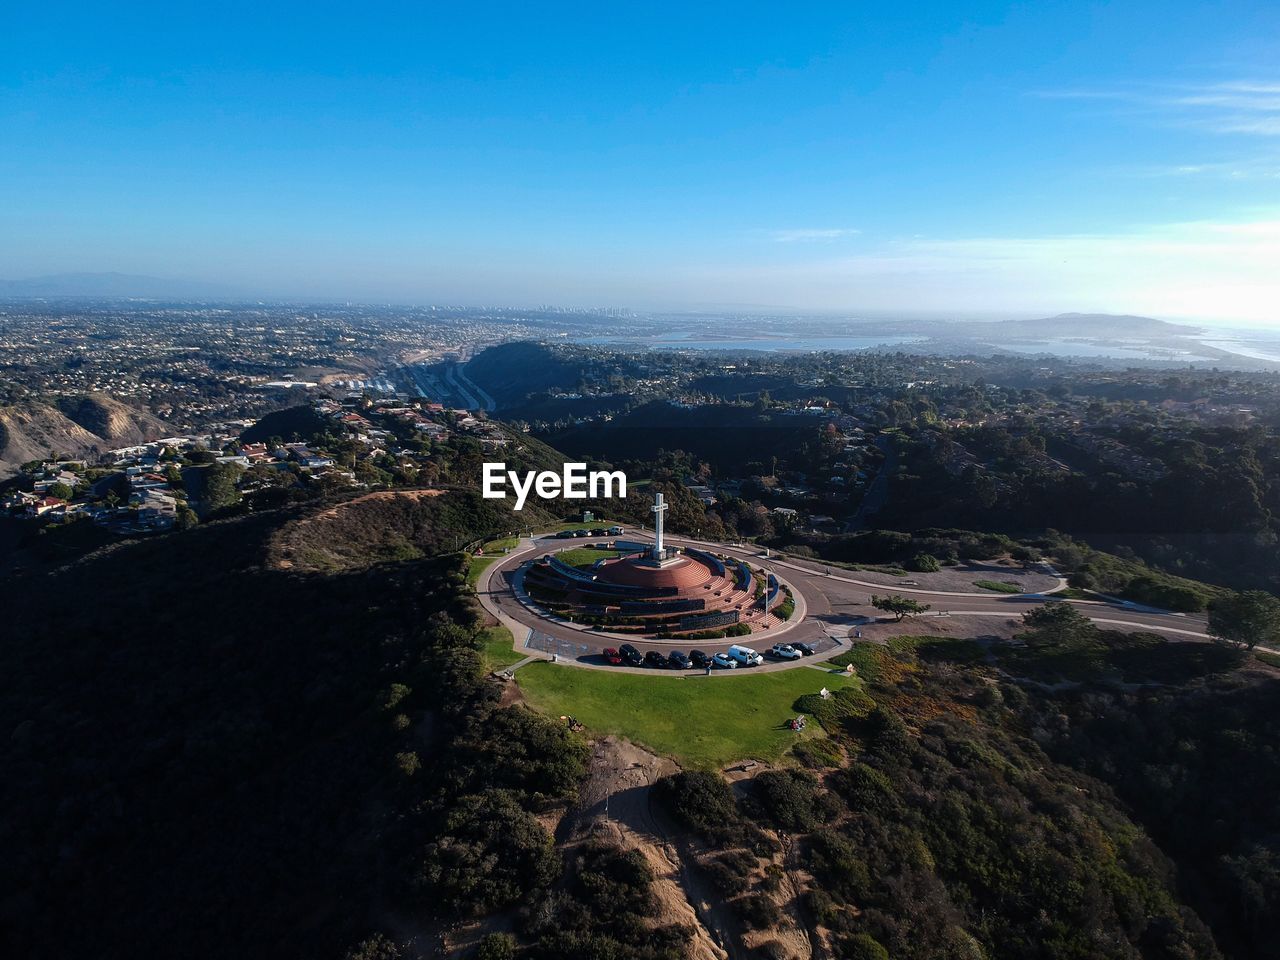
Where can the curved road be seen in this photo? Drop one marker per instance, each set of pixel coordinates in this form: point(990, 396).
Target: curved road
point(834, 605)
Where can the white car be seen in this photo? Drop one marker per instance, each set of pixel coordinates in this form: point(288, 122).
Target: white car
point(723, 661)
point(785, 651)
point(745, 656)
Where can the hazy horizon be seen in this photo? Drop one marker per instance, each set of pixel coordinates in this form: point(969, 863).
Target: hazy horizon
point(997, 161)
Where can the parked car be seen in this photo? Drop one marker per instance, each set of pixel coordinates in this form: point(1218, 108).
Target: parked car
point(805, 649)
point(678, 660)
point(745, 656)
point(615, 531)
point(631, 656)
point(654, 659)
point(784, 651)
point(582, 533)
point(724, 661)
point(698, 658)
point(599, 532)
point(564, 535)
point(611, 656)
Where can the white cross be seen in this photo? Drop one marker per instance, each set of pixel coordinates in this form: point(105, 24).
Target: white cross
point(658, 509)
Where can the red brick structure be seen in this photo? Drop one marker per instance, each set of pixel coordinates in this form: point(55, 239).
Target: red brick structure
point(675, 594)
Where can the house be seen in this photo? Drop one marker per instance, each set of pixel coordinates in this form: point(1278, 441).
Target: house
point(18, 500)
point(43, 505)
point(254, 451)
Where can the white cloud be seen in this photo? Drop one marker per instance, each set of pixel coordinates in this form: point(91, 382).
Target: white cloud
point(1240, 106)
point(812, 235)
point(1211, 270)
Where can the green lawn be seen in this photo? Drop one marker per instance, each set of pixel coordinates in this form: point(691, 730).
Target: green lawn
point(1270, 659)
point(586, 556)
point(999, 586)
point(497, 546)
point(498, 648)
point(701, 721)
point(477, 566)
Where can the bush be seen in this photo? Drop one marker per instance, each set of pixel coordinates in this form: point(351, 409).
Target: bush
point(758, 912)
point(923, 563)
point(1083, 580)
point(725, 874)
point(835, 862)
point(1170, 596)
point(862, 946)
point(377, 947)
point(791, 799)
point(847, 702)
point(491, 854)
point(497, 946)
point(818, 753)
point(700, 798)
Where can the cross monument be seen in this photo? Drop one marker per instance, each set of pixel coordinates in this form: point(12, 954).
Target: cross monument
point(658, 509)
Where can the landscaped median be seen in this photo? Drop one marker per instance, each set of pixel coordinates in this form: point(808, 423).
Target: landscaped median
point(700, 721)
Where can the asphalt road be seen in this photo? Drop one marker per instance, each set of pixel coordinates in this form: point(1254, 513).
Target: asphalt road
point(834, 606)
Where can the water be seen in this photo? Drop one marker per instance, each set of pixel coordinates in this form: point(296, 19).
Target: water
point(1168, 351)
point(690, 341)
point(1257, 349)
point(1093, 348)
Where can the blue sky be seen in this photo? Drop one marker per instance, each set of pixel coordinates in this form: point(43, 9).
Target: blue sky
point(936, 157)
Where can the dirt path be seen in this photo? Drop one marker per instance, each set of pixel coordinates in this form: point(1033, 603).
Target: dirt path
point(615, 804)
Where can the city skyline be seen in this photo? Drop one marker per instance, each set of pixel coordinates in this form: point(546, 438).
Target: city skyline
point(992, 160)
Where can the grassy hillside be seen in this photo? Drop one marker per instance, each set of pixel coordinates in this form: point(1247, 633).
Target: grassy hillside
point(394, 526)
point(701, 721)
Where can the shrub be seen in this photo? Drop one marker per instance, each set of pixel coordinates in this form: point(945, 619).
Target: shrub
point(497, 946)
point(725, 876)
point(863, 946)
point(835, 861)
point(923, 563)
point(847, 702)
point(490, 854)
point(758, 912)
point(818, 752)
point(865, 788)
point(377, 947)
point(700, 798)
point(790, 799)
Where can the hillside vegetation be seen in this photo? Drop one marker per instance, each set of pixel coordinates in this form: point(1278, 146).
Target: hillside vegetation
point(394, 526)
point(259, 762)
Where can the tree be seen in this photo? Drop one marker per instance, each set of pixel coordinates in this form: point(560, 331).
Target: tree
point(1083, 580)
point(1057, 623)
point(900, 607)
point(1246, 619)
point(185, 518)
point(1024, 555)
point(923, 563)
point(496, 946)
point(61, 491)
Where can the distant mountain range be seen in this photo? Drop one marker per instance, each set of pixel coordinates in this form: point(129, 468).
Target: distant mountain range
point(117, 285)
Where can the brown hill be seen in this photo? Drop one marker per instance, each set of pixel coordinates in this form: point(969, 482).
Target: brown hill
point(85, 427)
point(118, 424)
